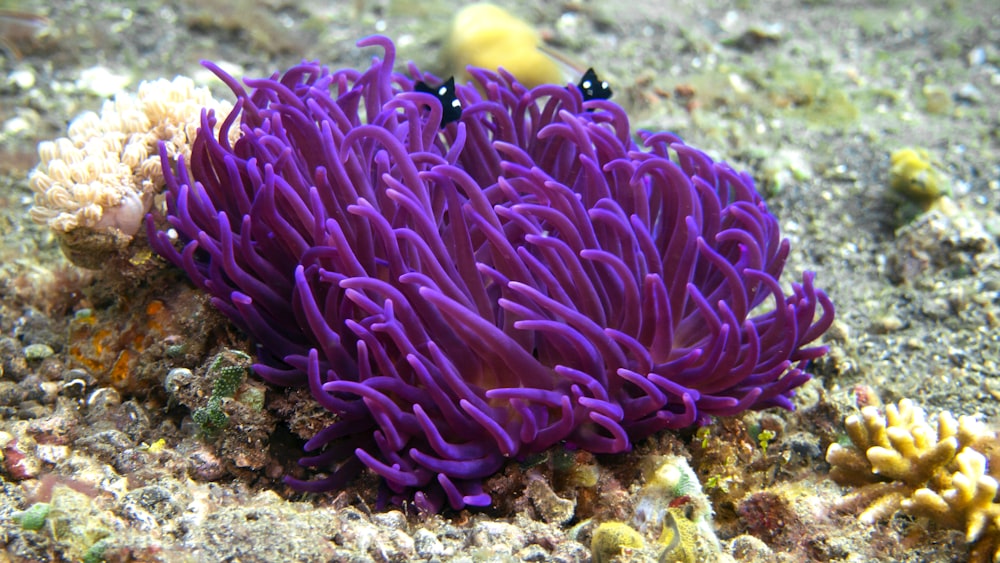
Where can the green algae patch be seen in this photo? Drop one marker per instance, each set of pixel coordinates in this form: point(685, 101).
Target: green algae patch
point(33, 518)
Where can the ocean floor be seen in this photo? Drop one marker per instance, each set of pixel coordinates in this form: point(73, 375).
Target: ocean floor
point(105, 375)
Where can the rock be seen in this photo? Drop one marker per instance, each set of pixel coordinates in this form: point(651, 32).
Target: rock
point(105, 445)
point(944, 239)
point(551, 508)
point(37, 352)
point(498, 537)
point(427, 545)
point(751, 549)
point(20, 461)
point(150, 507)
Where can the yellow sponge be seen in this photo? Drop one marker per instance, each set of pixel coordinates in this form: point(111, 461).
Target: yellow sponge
point(487, 36)
point(915, 177)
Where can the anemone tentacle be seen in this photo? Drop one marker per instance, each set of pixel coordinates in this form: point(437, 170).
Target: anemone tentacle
point(458, 296)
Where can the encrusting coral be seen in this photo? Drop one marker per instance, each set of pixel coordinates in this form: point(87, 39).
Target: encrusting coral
point(935, 469)
point(102, 177)
point(672, 517)
point(917, 185)
point(466, 292)
point(613, 539)
point(914, 176)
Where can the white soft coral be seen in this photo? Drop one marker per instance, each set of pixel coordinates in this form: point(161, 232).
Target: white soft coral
point(104, 175)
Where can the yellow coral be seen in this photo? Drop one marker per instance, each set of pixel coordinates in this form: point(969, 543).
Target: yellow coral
point(611, 539)
point(911, 451)
point(680, 538)
point(914, 176)
point(104, 174)
point(487, 36)
point(903, 462)
point(900, 446)
point(968, 500)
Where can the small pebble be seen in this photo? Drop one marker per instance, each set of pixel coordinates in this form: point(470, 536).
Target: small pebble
point(500, 537)
point(936, 308)
point(839, 332)
point(75, 387)
point(102, 400)
point(977, 56)
point(51, 454)
point(22, 78)
point(533, 552)
point(887, 324)
point(37, 352)
point(205, 465)
point(102, 81)
point(938, 99)
point(393, 520)
point(426, 544)
point(16, 125)
point(750, 548)
point(177, 379)
point(969, 94)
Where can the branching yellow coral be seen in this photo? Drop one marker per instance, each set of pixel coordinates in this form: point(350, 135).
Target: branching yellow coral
point(966, 503)
point(104, 174)
point(902, 462)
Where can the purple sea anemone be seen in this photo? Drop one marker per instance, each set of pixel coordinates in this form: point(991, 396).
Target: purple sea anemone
point(524, 277)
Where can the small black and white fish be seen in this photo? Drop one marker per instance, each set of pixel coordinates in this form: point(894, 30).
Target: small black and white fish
point(592, 87)
point(451, 106)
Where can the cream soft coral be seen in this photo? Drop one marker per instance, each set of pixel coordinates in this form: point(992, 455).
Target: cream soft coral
point(104, 174)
